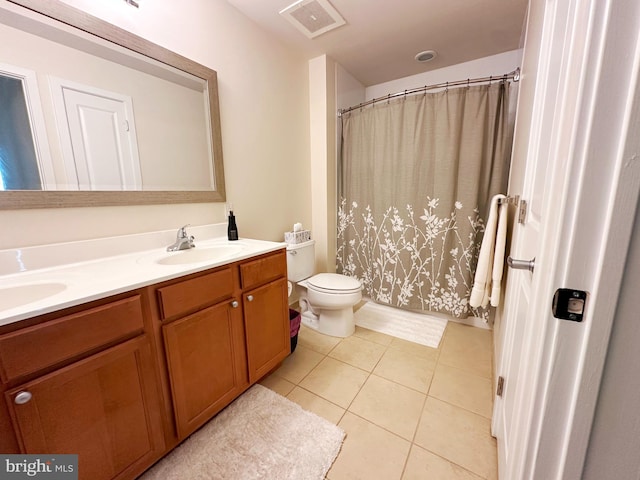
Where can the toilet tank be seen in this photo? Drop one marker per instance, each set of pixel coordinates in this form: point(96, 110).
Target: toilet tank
point(300, 260)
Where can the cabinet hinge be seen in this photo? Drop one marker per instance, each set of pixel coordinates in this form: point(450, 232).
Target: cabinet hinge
point(522, 211)
point(500, 386)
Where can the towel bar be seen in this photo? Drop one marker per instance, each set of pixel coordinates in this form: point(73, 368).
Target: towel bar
point(520, 204)
point(509, 200)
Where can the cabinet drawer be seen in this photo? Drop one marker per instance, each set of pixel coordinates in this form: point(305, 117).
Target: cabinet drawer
point(189, 295)
point(263, 270)
point(40, 346)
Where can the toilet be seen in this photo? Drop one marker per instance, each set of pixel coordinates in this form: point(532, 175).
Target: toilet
point(326, 299)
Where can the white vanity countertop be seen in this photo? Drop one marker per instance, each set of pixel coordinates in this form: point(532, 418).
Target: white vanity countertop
point(40, 280)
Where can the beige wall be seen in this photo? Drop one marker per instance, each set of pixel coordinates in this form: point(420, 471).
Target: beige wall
point(614, 437)
point(263, 91)
point(322, 105)
point(482, 67)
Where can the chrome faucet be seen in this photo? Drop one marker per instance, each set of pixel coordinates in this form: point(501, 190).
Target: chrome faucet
point(183, 241)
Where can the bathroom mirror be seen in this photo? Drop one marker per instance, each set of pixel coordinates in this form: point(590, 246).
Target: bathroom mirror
point(171, 106)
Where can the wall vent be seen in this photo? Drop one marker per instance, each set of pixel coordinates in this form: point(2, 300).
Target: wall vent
point(313, 17)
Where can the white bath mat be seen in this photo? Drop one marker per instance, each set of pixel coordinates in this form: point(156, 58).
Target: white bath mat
point(261, 435)
point(415, 327)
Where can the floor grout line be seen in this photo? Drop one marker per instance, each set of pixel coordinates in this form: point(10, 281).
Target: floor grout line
point(369, 374)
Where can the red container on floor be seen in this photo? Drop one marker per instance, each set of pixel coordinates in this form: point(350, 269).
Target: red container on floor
point(294, 327)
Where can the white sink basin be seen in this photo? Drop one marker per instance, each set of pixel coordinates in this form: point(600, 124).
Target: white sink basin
point(212, 253)
point(12, 297)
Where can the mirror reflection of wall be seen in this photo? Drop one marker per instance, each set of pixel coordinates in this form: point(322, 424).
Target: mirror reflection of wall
point(172, 148)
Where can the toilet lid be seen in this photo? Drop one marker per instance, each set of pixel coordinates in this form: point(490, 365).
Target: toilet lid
point(334, 282)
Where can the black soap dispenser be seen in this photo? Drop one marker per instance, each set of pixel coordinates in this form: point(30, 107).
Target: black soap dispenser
point(232, 229)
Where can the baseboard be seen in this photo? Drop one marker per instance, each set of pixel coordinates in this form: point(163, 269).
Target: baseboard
point(471, 321)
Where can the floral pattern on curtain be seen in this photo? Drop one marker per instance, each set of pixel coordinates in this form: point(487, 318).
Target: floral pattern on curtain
point(417, 176)
point(374, 254)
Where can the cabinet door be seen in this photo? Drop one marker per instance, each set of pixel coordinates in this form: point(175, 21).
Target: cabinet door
point(207, 370)
point(104, 408)
point(266, 316)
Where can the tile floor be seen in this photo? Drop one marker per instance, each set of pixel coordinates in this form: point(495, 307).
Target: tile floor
point(409, 411)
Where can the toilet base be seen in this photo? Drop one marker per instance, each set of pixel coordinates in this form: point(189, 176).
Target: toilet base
point(310, 320)
point(336, 323)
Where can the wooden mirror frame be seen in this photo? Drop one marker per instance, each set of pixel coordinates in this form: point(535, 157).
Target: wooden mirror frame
point(26, 199)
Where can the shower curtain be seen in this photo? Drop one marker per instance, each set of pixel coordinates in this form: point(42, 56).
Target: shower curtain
point(416, 178)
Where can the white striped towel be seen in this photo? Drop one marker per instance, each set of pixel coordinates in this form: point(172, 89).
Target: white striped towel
point(488, 277)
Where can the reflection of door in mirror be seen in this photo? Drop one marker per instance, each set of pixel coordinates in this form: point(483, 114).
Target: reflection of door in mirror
point(24, 151)
point(176, 105)
point(98, 137)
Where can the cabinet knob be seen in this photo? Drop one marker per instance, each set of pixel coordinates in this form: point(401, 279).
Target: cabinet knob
point(22, 398)
point(250, 298)
point(234, 304)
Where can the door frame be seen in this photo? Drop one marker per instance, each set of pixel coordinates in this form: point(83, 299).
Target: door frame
point(40, 139)
point(595, 189)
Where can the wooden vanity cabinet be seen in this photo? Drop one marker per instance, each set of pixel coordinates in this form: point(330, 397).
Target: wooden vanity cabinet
point(85, 383)
point(121, 381)
point(266, 313)
point(222, 331)
point(205, 351)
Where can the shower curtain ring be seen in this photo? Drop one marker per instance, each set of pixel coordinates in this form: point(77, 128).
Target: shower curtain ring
point(468, 81)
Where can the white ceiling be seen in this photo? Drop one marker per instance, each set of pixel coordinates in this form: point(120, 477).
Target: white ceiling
point(381, 37)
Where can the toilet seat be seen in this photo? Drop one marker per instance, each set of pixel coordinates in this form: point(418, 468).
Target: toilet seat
point(333, 283)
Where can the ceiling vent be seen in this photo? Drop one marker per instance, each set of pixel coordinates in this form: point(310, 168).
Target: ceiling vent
point(313, 17)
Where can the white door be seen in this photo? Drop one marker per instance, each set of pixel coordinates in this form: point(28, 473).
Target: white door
point(98, 137)
point(529, 177)
point(575, 97)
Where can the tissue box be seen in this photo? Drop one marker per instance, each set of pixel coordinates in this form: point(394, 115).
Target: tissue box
point(297, 237)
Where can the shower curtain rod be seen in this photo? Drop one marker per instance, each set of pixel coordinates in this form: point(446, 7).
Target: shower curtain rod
point(514, 75)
